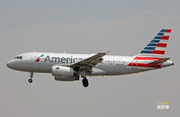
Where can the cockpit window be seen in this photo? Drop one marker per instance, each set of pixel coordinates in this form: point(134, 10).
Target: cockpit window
point(18, 57)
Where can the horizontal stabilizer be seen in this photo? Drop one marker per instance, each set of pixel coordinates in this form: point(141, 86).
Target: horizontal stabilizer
point(159, 61)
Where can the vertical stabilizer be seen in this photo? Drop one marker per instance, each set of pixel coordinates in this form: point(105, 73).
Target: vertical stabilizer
point(157, 45)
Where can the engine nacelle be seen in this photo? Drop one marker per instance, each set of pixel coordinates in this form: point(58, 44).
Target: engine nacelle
point(66, 78)
point(62, 71)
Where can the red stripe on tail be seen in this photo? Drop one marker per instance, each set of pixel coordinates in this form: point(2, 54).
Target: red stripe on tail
point(168, 31)
point(161, 45)
point(165, 37)
point(158, 52)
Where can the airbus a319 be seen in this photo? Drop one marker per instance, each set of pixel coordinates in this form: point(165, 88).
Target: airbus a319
point(71, 67)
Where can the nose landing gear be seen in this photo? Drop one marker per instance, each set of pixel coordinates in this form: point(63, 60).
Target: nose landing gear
point(30, 80)
point(31, 75)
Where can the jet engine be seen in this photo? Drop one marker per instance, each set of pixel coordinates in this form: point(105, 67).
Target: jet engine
point(62, 73)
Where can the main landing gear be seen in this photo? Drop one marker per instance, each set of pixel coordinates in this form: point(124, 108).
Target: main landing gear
point(85, 82)
point(31, 75)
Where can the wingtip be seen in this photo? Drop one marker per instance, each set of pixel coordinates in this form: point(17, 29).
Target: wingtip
point(108, 51)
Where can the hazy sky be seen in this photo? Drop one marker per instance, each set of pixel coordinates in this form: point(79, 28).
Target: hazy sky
point(79, 26)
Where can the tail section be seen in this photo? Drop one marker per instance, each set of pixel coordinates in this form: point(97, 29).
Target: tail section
point(152, 56)
point(157, 45)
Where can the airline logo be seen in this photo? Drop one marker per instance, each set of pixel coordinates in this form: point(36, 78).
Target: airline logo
point(158, 44)
point(39, 58)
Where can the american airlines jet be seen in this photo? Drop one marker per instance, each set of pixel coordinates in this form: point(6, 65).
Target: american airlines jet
point(70, 67)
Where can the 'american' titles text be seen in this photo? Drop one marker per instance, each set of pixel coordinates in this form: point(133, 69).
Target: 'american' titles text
point(62, 59)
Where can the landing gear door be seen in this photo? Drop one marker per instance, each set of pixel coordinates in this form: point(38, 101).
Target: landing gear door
point(31, 59)
point(134, 64)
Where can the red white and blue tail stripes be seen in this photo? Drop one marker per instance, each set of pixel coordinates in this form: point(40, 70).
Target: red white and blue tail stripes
point(158, 45)
point(153, 51)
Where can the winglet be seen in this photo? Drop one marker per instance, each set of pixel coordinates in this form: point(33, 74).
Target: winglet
point(108, 51)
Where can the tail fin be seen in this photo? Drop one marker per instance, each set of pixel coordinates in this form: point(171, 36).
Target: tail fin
point(158, 45)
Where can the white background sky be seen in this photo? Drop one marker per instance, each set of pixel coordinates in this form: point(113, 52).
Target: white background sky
point(124, 27)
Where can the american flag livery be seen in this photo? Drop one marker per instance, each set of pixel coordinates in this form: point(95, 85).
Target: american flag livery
point(154, 51)
point(158, 44)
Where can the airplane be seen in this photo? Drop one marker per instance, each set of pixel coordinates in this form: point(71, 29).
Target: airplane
point(70, 67)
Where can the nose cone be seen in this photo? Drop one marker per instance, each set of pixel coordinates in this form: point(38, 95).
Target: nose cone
point(9, 64)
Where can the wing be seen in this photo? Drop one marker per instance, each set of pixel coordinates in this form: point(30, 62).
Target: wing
point(90, 62)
